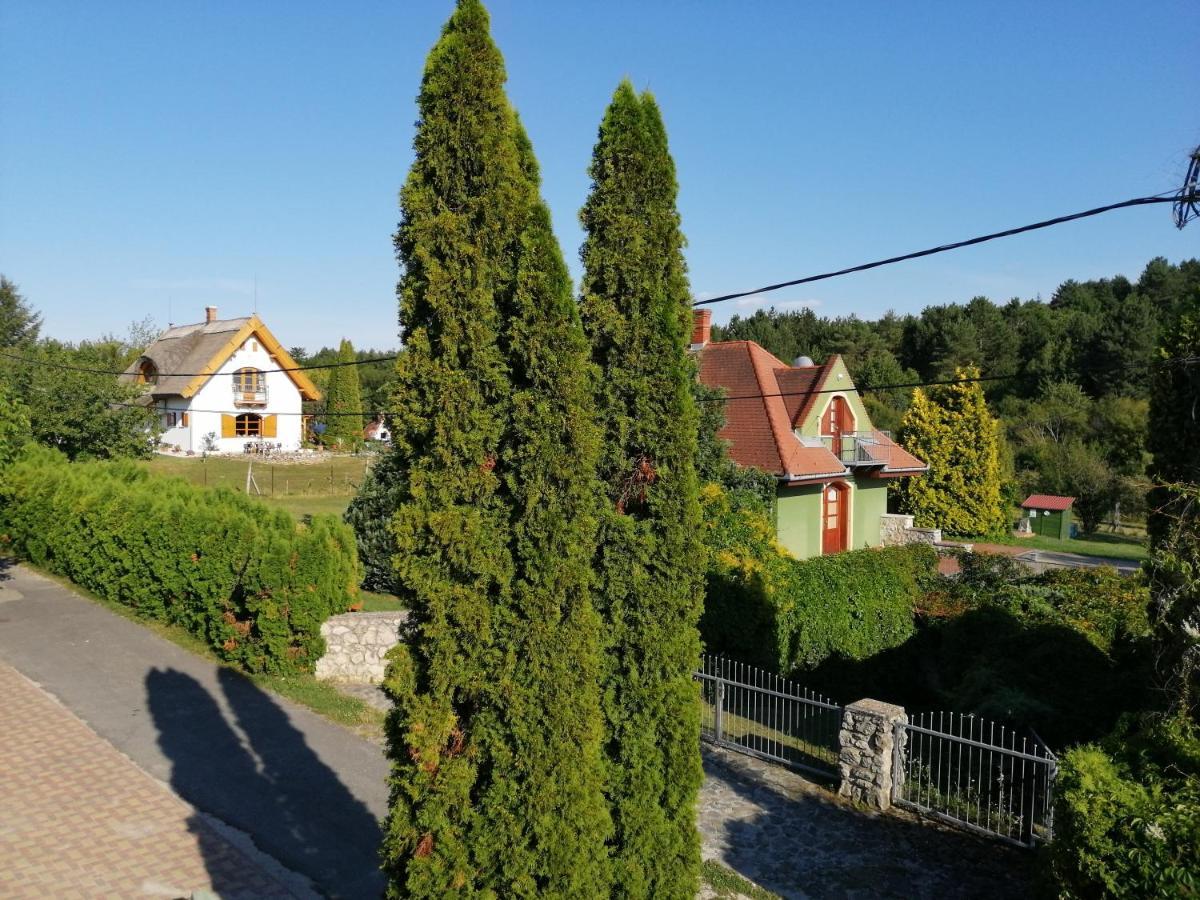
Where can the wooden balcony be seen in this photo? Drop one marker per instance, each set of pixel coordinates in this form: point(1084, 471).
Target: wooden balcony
point(250, 399)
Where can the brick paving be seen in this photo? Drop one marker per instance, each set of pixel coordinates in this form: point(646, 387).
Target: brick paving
point(79, 820)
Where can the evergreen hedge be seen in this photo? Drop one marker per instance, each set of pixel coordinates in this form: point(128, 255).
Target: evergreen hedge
point(243, 577)
point(769, 608)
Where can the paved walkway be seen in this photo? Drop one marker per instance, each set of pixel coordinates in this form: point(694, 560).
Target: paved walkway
point(310, 793)
point(800, 840)
point(78, 819)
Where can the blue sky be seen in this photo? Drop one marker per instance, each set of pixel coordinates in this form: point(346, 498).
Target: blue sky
point(157, 157)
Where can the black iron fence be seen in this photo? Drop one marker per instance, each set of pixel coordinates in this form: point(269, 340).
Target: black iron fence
point(761, 714)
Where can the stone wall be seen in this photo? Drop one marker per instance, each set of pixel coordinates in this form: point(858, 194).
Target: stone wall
point(356, 644)
point(896, 529)
point(867, 740)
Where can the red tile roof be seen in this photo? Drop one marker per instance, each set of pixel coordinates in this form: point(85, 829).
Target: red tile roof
point(892, 455)
point(758, 425)
point(773, 398)
point(1047, 501)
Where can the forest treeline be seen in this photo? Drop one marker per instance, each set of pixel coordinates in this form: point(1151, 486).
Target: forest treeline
point(1076, 409)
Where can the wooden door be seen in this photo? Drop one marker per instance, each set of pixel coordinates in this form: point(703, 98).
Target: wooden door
point(838, 420)
point(835, 517)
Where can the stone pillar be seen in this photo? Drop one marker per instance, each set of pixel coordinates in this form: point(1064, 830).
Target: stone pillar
point(867, 744)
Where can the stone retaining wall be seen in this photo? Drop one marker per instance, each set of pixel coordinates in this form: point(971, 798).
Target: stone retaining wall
point(356, 644)
point(896, 529)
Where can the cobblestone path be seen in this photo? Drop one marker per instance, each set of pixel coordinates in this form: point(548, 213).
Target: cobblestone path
point(800, 840)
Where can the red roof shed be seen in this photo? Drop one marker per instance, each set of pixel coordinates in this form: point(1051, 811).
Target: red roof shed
point(1047, 501)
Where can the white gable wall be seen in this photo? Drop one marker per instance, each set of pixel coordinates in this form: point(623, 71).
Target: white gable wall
point(215, 397)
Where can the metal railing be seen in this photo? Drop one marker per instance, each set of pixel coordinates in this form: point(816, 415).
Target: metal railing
point(758, 713)
point(254, 397)
point(861, 448)
point(976, 775)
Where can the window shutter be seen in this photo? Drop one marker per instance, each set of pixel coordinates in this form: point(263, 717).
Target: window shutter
point(185, 421)
point(268, 426)
point(227, 425)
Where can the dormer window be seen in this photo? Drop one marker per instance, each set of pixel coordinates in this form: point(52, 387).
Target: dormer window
point(147, 372)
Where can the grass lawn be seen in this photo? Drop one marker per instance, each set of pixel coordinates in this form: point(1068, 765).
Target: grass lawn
point(380, 602)
point(1117, 546)
point(726, 883)
point(300, 488)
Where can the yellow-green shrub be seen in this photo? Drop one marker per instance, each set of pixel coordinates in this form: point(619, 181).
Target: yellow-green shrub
point(243, 577)
point(1127, 816)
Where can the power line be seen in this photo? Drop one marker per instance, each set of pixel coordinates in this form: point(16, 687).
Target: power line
point(870, 389)
point(54, 364)
point(1165, 197)
point(1186, 195)
point(1181, 360)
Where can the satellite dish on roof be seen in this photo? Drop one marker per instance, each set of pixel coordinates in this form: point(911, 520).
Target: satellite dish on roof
point(802, 362)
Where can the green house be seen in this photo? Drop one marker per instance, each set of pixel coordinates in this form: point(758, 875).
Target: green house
point(805, 424)
point(1049, 515)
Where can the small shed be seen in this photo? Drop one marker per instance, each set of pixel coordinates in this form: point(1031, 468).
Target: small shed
point(1049, 515)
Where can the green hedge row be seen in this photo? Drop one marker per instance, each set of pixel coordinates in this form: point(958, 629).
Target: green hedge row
point(766, 607)
point(243, 577)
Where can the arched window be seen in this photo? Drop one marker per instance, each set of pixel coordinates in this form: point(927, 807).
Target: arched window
point(147, 372)
point(248, 425)
point(248, 381)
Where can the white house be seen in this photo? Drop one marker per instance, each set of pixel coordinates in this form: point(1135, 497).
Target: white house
point(217, 386)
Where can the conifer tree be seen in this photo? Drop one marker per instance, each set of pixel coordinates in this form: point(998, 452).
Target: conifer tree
point(637, 314)
point(343, 399)
point(494, 737)
point(952, 430)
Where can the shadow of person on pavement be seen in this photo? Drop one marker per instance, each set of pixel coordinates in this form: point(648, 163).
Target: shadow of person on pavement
point(269, 784)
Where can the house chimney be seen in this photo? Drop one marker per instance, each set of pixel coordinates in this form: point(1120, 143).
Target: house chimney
point(210, 314)
point(701, 328)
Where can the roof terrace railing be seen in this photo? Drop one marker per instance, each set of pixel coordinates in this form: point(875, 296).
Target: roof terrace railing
point(861, 448)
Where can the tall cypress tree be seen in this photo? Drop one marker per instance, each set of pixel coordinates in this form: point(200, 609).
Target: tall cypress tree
point(637, 313)
point(343, 399)
point(495, 731)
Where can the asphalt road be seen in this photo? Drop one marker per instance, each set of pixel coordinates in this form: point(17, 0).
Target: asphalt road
point(309, 792)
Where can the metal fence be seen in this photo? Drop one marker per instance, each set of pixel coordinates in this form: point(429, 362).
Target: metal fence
point(975, 774)
point(761, 714)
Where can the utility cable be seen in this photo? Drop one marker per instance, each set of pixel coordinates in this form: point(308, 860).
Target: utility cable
point(1166, 197)
point(865, 389)
point(53, 364)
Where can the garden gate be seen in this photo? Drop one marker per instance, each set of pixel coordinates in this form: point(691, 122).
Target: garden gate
point(975, 774)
